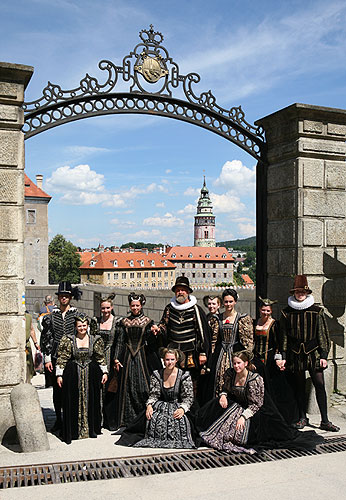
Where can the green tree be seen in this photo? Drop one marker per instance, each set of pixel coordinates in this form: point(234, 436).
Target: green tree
point(64, 261)
point(250, 259)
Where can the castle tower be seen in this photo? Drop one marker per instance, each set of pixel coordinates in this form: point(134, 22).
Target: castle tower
point(204, 234)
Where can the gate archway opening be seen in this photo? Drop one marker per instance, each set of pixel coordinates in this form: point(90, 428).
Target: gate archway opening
point(153, 78)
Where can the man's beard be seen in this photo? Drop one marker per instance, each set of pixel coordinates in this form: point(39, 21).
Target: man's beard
point(181, 299)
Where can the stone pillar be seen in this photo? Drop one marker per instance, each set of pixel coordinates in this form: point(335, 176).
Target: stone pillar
point(306, 217)
point(13, 80)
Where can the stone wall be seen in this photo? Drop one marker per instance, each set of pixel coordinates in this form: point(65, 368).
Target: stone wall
point(13, 80)
point(36, 242)
point(156, 299)
point(306, 230)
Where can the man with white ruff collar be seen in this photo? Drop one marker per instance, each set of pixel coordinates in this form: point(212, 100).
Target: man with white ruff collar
point(305, 345)
point(184, 326)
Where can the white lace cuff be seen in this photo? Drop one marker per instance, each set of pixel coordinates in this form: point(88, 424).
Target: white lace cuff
point(104, 368)
point(247, 413)
point(47, 358)
point(59, 371)
point(278, 357)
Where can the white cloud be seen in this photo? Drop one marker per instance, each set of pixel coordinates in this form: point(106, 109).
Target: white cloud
point(160, 205)
point(168, 171)
point(247, 230)
point(81, 185)
point(237, 178)
point(145, 234)
point(227, 203)
point(190, 191)
point(79, 178)
point(168, 220)
point(85, 150)
point(188, 209)
point(122, 223)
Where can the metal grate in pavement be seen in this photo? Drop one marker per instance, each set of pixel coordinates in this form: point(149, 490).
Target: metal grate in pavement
point(93, 470)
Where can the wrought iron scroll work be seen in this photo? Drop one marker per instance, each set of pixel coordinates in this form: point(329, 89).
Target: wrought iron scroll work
point(149, 64)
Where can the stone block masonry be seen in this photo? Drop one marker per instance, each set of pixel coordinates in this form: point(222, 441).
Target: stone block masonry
point(13, 80)
point(306, 212)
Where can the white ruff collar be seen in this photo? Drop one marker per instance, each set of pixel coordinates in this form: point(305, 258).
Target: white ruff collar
point(299, 306)
point(182, 307)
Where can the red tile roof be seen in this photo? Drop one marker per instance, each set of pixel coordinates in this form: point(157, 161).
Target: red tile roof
point(86, 256)
point(247, 279)
point(106, 261)
point(30, 189)
point(199, 253)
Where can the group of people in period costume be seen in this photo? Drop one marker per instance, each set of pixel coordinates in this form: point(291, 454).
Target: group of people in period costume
point(219, 379)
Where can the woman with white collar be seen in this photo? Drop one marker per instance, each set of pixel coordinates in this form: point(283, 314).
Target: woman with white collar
point(305, 345)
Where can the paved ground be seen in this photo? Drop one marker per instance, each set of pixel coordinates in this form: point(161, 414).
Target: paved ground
point(309, 477)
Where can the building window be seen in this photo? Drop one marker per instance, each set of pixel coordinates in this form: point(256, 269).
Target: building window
point(108, 276)
point(171, 273)
point(207, 256)
point(193, 265)
point(146, 275)
point(132, 275)
point(214, 275)
point(224, 256)
point(92, 263)
point(123, 276)
point(31, 216)
point(153, 274)
point(173, 255)
point(166, 284)
point(159, 274)
point(225, 275)
point(183, 264)
point(131, 263)
point(152, 263)
point(203, 266)
point(190, 255)
point(142, 263)
point(166, 274)
point(214, 265)
point(194, 275)
point(203, 275)
point(115, 263)
point(206, 234)
point(153, 284)
point(139, 275)
point(165, 263)
point(183, 274)
point(115, 276)
point(225, 264)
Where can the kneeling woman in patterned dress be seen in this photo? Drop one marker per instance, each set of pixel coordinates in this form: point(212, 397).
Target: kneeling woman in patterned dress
point(81, 369)
point(164, 423)
point(244, 418)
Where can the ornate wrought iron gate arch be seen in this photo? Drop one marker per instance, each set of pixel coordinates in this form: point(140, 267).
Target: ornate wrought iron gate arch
point(149, 64)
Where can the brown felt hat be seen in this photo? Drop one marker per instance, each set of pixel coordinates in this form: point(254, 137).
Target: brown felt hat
point(300, 283)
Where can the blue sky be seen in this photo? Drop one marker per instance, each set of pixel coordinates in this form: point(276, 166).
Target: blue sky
point(119, 178)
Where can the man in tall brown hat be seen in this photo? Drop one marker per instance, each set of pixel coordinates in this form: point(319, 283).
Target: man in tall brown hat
point(54, 325)
point(305, 345)
point(184, 326)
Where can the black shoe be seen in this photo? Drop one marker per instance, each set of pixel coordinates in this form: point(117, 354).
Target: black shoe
point(328, 426)
point(302, 422)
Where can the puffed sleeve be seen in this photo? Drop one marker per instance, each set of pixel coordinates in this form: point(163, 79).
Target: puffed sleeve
point(323, 335)
point(155, 389)
point(186, 392)
point(245, 326)
point(46, 340)
point(64, 354)
point(255, 396)
point(99, 354)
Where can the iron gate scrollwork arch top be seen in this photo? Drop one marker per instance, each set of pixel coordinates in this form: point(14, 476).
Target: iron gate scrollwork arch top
point(152, 76)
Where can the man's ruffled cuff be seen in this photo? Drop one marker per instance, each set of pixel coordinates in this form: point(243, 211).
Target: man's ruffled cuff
point(104, 368)
point(47, 358)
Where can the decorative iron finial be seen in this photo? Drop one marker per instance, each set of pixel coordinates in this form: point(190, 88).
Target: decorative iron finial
point(151, 36)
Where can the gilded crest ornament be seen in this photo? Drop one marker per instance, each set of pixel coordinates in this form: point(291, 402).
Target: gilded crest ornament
point(152, 68)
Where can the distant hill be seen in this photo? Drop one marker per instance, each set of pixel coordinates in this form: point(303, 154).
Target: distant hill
point(238, 244)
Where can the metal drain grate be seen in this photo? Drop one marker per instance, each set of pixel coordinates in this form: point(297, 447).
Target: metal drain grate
point(92, 470)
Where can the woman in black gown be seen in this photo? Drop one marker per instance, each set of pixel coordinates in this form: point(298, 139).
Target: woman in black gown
point(244, 418)
point(234, 333)
point(81, 369)
point(108, 329)
point(166, 422)
point(136, 357)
